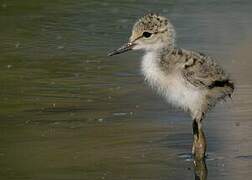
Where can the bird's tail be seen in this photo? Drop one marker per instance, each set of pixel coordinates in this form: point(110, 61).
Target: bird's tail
point(221, 92)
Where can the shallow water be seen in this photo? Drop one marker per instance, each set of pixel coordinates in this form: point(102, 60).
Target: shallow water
point(69, 112)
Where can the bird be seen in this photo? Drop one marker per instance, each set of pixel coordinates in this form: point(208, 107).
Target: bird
point(189, 80)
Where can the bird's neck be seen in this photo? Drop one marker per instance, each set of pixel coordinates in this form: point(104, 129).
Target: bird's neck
point(152, 60)
point(152, 63)
point(160, 53)
point(151, 67)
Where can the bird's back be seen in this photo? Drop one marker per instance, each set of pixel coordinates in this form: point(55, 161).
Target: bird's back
point(200, 71)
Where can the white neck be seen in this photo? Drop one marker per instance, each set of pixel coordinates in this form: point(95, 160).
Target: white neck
point(151, 68)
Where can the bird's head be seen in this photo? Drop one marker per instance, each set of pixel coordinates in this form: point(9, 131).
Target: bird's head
point(150, 33)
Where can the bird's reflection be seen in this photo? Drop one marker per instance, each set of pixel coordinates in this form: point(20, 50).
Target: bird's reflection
point(200, 169)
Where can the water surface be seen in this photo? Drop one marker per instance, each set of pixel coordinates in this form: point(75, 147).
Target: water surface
point(69, 112)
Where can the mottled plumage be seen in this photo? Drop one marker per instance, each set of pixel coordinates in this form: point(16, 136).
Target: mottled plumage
point(201, 72)
point(187, 79)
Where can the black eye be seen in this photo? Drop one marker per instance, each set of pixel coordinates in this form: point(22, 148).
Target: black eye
point(146, 34)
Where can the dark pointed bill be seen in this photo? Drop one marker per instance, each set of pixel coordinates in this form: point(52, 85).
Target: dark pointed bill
point(124, 48)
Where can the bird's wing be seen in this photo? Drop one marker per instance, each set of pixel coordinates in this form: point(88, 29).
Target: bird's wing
point(202, 71)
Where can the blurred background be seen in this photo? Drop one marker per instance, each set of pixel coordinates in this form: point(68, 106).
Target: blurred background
point(70, 112)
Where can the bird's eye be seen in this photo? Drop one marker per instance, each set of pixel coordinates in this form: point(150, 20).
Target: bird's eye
point(147, 34)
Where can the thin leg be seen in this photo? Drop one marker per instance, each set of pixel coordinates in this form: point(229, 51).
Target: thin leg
point(195, 128)
point(195, 135)
point(199, 141)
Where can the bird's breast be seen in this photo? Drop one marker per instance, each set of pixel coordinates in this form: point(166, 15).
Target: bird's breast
point(171, 85)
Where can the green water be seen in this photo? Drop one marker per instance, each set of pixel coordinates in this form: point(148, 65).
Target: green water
point(70, 112)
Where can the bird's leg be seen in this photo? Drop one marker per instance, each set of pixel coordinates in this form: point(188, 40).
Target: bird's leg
point(199, 140)
point(195, 135)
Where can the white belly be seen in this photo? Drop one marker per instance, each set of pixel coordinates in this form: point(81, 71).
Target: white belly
point(171, 85)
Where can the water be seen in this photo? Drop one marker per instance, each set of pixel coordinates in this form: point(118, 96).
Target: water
point(69, 112)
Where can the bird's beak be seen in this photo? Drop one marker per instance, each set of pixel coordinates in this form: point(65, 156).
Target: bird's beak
point(124, 48)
